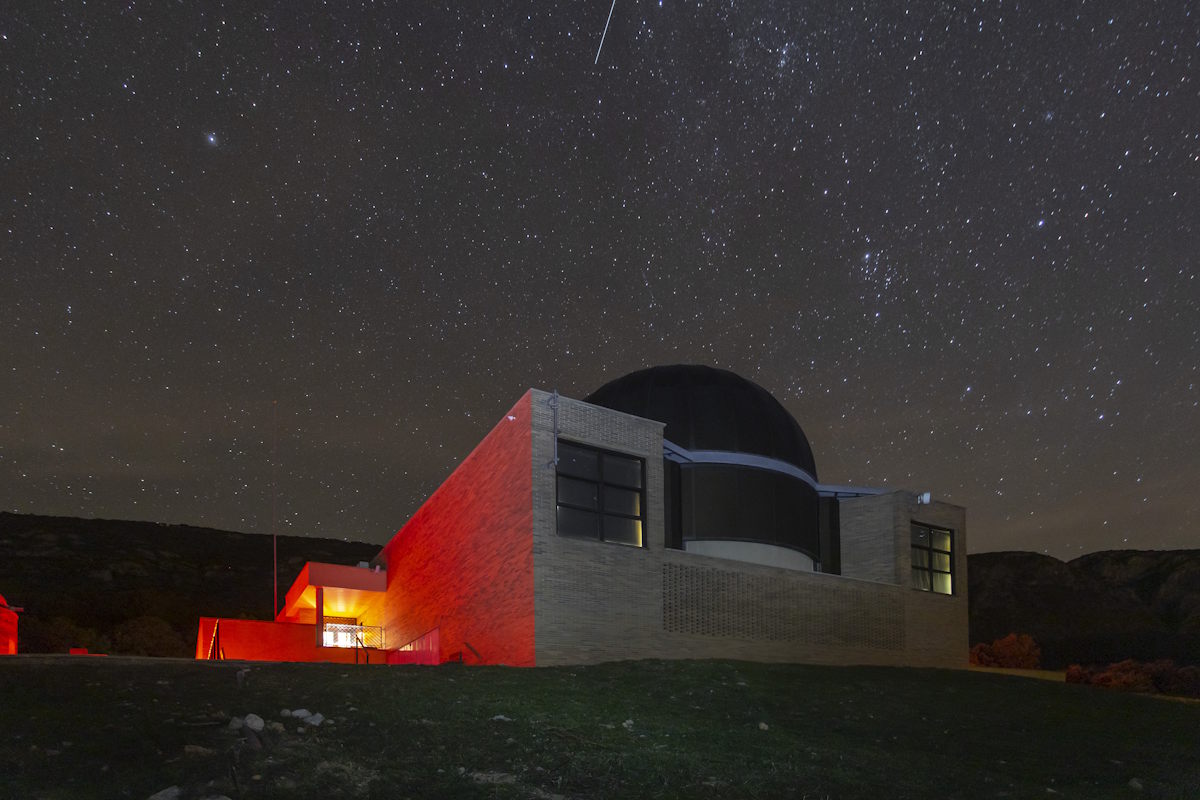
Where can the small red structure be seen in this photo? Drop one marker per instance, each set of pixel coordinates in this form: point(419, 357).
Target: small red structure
point(320, 621)
point(8, 628)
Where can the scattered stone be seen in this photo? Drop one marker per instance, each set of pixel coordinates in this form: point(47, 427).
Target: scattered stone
point(236, 723)
point(762, 726)
point(627, 724)
point(197, 750)
point(501, 718)
point(493, 777)
point(1135, 784)
point(254, 722)
point(275, 726)
point(287, 712)
point(169, 793)
point(215, 797)
point(301, 712)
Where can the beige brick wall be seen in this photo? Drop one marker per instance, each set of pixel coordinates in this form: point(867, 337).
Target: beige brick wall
point(600, 602)
point(870, 539)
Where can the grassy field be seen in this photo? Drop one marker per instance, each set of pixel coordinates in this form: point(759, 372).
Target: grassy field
point(114, 728)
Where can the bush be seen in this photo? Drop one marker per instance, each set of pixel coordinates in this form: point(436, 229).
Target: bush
point(1162, 677)
point(58, 635)
point(147, 636)
point(1015, 651)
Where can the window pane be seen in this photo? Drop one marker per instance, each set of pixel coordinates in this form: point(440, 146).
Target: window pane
point(941, 561)
point(575, 492)
point(941, 540)
point(920, 558)
point(622, 501)
point(941, 583)
point(572, 522)
point(920, 535)
point(921, 579)
point(578, 461)
point(623, 531)
point(623, 471)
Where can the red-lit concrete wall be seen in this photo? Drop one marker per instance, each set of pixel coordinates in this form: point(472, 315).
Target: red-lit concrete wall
point(254, 640)
point(464, 563)
point(8, 632)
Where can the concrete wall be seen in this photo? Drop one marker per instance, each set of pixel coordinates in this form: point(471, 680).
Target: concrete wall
point(464, 564)
point(596, 601)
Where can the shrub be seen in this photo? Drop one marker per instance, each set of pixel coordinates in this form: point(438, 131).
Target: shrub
point(1162, 677)
point(58, 635)
point(147, 636)
point(1015, 651)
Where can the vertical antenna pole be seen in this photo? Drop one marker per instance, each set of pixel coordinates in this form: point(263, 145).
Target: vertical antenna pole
point(274, 498)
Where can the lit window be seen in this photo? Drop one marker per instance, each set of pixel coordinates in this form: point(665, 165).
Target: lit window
point(932, 559)
point(346, 632)
point(601, 495)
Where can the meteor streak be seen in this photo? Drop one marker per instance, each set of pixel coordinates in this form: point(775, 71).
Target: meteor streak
point(601, 47)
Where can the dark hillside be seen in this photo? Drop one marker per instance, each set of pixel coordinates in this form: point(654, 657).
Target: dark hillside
point(1100, 608)
point(81, 579)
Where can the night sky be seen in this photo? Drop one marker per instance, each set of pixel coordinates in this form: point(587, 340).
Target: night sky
point(958, 241)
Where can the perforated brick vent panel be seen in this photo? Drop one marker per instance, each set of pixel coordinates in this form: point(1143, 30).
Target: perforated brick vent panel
point(714, 602)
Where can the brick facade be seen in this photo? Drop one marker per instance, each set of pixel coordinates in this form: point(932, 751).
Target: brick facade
point(464, 563)
point(596, 601)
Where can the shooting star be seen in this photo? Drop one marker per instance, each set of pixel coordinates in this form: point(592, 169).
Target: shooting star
point(601, 47)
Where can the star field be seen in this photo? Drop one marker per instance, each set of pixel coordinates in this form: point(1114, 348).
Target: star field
point(958, 241)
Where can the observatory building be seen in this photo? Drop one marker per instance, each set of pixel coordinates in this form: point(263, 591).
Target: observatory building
point(675, 512)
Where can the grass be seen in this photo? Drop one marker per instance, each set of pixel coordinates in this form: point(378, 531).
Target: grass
point(112, 728)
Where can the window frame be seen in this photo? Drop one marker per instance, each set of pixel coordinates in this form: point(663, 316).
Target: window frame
point(930, 551)
point(598, 511)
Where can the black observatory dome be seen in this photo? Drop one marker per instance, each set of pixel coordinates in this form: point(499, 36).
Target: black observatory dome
point(710, 409)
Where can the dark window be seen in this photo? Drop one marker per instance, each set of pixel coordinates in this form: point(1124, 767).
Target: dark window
point(932, 559)
point(601, 495)
point(734, 502)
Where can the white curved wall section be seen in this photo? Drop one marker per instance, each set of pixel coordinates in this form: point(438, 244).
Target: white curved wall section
point(751, 552)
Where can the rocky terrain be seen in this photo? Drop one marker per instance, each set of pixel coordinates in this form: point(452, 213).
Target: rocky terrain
point(1099, 608)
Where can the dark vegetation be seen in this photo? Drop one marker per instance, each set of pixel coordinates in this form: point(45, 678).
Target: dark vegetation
point(1097, 609)
point(1015, 651)
point(1160, 677)
point(139, 588)
point(126, 728)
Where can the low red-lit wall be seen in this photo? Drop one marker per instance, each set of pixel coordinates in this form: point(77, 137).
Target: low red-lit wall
point(254, 640)
point(8, 632)
point(464, 563)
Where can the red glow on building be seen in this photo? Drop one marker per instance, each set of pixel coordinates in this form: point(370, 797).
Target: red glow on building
point(463, 565)
point(458, 583)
